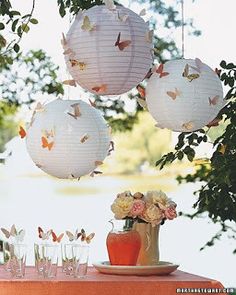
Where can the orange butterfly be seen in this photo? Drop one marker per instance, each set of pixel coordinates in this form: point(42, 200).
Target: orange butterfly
point(122, 45)
point(141, 91)
point(85, 238)
point(100, 89)
point(84, 138)
point(56, 238)
point(214, 100)
point(46, 144)
point(22, 132)
point(75, 63)
point(77, 112)
point(160, 69)
point(173, 94)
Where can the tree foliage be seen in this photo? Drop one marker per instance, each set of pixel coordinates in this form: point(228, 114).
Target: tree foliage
point(217, 196)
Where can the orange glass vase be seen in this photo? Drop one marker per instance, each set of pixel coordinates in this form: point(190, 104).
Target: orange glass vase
point(123, 245)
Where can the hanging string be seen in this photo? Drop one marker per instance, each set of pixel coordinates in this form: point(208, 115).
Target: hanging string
point(182, 21)
point(68, 74)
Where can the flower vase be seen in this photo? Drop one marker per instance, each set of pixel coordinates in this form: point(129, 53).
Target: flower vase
point(149, 251)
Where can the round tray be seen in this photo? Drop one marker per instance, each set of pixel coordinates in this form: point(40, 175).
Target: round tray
point(162, 268)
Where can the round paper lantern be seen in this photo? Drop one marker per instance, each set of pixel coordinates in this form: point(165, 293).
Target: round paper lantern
point(108, 51)
point(184, 95)
point(67, 138)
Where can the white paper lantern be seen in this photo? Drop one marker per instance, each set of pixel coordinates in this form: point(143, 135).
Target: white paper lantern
point(184, 95)
point(94, 61)
point(67, 138)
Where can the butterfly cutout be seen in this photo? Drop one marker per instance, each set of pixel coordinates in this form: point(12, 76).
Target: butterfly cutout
point(214, 123)
point(122, 44)
point(46, 143)
point(98, 163)
point(92, 174)
point(186, 74)
point(85, 238)
point(92, 103)
point(160, 71)
point(73, 237)
point(149, 36)
point(173, 94)
point(149, 74)
point(214, 100)
point(110, 4)
point(143, 12)
point(39, 108)
point(111, 147)
point(22, 132)
point(76, 63)
point(188, 126)
point(56, 238)
point(100, 89)
point(84, 138)
point(198, 64)
point(44, 235)
point(63, 41)
point(69, 82)
point(141, 91)
point(72, 176)
point(218, 72)
point(48, 134)
point(76, 109)
point(142, 102)
point(87, 25)
point(122, 18)
point(9, 233)
point(68, 51)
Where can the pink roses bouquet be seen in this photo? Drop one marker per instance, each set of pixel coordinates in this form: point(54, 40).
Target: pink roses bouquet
point(154, 207)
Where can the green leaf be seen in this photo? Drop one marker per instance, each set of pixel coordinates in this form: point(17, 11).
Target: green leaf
point(14, 24)
point(16, 48)
point(14, 12)
point(2, 26)
point(62, 10)
point(223, 64)
point(34, 21)
point(25, 28)
point(19, 31)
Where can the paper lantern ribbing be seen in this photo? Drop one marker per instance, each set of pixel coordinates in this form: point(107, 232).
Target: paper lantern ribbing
point(67, 138)
point(184, 95)
point(108, 51)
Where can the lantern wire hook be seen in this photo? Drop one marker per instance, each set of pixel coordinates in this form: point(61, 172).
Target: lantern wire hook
point(182, 22)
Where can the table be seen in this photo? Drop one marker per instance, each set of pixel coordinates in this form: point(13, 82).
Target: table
point(100, 284)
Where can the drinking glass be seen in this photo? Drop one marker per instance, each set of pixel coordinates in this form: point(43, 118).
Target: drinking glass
point(67, 258)
point(46, 259)
point(80, 257)
point(17, 259)
point(6, 255)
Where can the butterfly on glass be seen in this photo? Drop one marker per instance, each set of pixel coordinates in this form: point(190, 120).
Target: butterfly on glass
point(173, 94)
point(87, 25)
point(189, 76)
point(44, 235)
point(73, 237)
point(9, 233)
point(46, 144)
point(214, 100)
point(122, 44)
point(84, 138)
point(56, 238)
point(85, 238)
point(76, 110)
point(22, 132)
point(160, 71)
point(100, 89)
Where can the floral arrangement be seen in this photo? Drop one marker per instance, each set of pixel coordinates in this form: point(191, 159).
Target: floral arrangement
point(154, 207)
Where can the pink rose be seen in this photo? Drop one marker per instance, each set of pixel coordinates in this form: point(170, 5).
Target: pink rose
point(170, 213)
point(137, 208)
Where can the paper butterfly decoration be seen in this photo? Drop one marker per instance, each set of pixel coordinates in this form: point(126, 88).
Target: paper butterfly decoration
point(214, 100)
point(87, 25)
point(142, 93)
point(188, 126)
point(17, 235)
point(22, 132)
point(44, 235)
point(100, 89)
point(160, 71)
point(199, 65)
point(122, 44)
point(69, 82)
point(84, 138)
point(110, 4)
point(186, 74)
point(76, 110)
point(85, 238)
point(73, 237)
point(56, 238)
point(173, 94)
point(93, 104)
point(122, 18)
point(46, 144)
